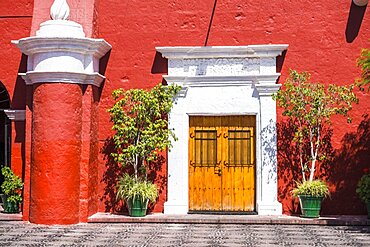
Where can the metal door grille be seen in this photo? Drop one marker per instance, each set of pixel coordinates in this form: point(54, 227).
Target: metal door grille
point(240, 143)
point(205, 148)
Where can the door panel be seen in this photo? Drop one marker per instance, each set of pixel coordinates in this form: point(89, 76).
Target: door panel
point(221, 163)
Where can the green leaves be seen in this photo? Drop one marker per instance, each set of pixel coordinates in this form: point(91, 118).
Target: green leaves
point(315, 188)
point(363, 188)
point(310, 106)
point(129, 187)
point(12, 185)
point(364, 63)
point(140, 123)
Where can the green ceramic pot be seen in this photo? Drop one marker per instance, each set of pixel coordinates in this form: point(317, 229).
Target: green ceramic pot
point(137, 207)
point(9, 207)
point(310, 206)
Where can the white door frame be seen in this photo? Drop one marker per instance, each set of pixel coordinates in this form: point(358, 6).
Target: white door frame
point(224, 80)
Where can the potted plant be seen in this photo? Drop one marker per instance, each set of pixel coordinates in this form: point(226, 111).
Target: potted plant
point(137, 193)
point(310, 107)
point(11, 188)
point(311, 194)
point(363, 191)
point(141, 132)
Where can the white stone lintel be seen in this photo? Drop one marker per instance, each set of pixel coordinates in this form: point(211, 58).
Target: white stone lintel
point(62, 77)
point(16, 115)
point(194, 52)
point(203, 81)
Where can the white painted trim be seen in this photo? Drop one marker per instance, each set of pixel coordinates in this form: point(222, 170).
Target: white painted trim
point(194, 52)
point(33, 45)
point(224, 81)
point(16, 115)
point(60, 53)
point(62, 77)
point(203, 81)
point(267, 89)
point(226, 114)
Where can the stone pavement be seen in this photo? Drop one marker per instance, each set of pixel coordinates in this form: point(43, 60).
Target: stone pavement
point(349, 220)
point(152, 234)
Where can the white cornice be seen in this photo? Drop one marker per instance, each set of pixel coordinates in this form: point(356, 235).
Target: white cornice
point(204, 81)
point(33, 77)
point(16, 115)
point(194, 52)
point(60, 52)
point(34, 45)
point(267, 89)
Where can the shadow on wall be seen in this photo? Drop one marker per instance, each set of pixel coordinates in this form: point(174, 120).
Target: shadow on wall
point(289, 168)
point(355, 17)
point(342, 169)
point(350, 161)
point(268, 140)
point(22, 98)
point(103, 64)
point(113, 171)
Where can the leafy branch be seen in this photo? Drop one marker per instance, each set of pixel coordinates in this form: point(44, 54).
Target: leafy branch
point(310, 106)
point(364, 63)
point(140, 123)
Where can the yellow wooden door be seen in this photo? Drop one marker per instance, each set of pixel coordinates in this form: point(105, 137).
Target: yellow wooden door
point(222, 163)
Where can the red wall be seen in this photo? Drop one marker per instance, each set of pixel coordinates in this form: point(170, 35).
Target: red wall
point(324, 37)
point(15, 23)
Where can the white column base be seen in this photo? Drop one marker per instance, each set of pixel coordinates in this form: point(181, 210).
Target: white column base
point(269, 208)
point(175, 208)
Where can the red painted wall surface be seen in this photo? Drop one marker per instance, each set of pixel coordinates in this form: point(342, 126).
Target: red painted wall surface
point(81, 11)
point(15, 23)
point(324, 37)
point(56, 153)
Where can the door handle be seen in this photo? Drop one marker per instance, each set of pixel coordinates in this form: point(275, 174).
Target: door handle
point(218, 171)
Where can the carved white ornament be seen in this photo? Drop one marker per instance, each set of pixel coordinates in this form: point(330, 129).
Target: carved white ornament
point(59, 10)
point(214, 66)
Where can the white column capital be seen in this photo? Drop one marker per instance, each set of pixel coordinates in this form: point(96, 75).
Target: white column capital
point(60, 51)
point(267, 89)
point(16, 115)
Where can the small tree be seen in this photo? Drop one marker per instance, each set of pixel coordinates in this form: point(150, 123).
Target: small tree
point(12, 186)
point(364, 63)
point(140, 123)
point(310, 106)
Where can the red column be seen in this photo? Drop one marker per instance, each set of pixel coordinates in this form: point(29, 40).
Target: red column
point(56, 153)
